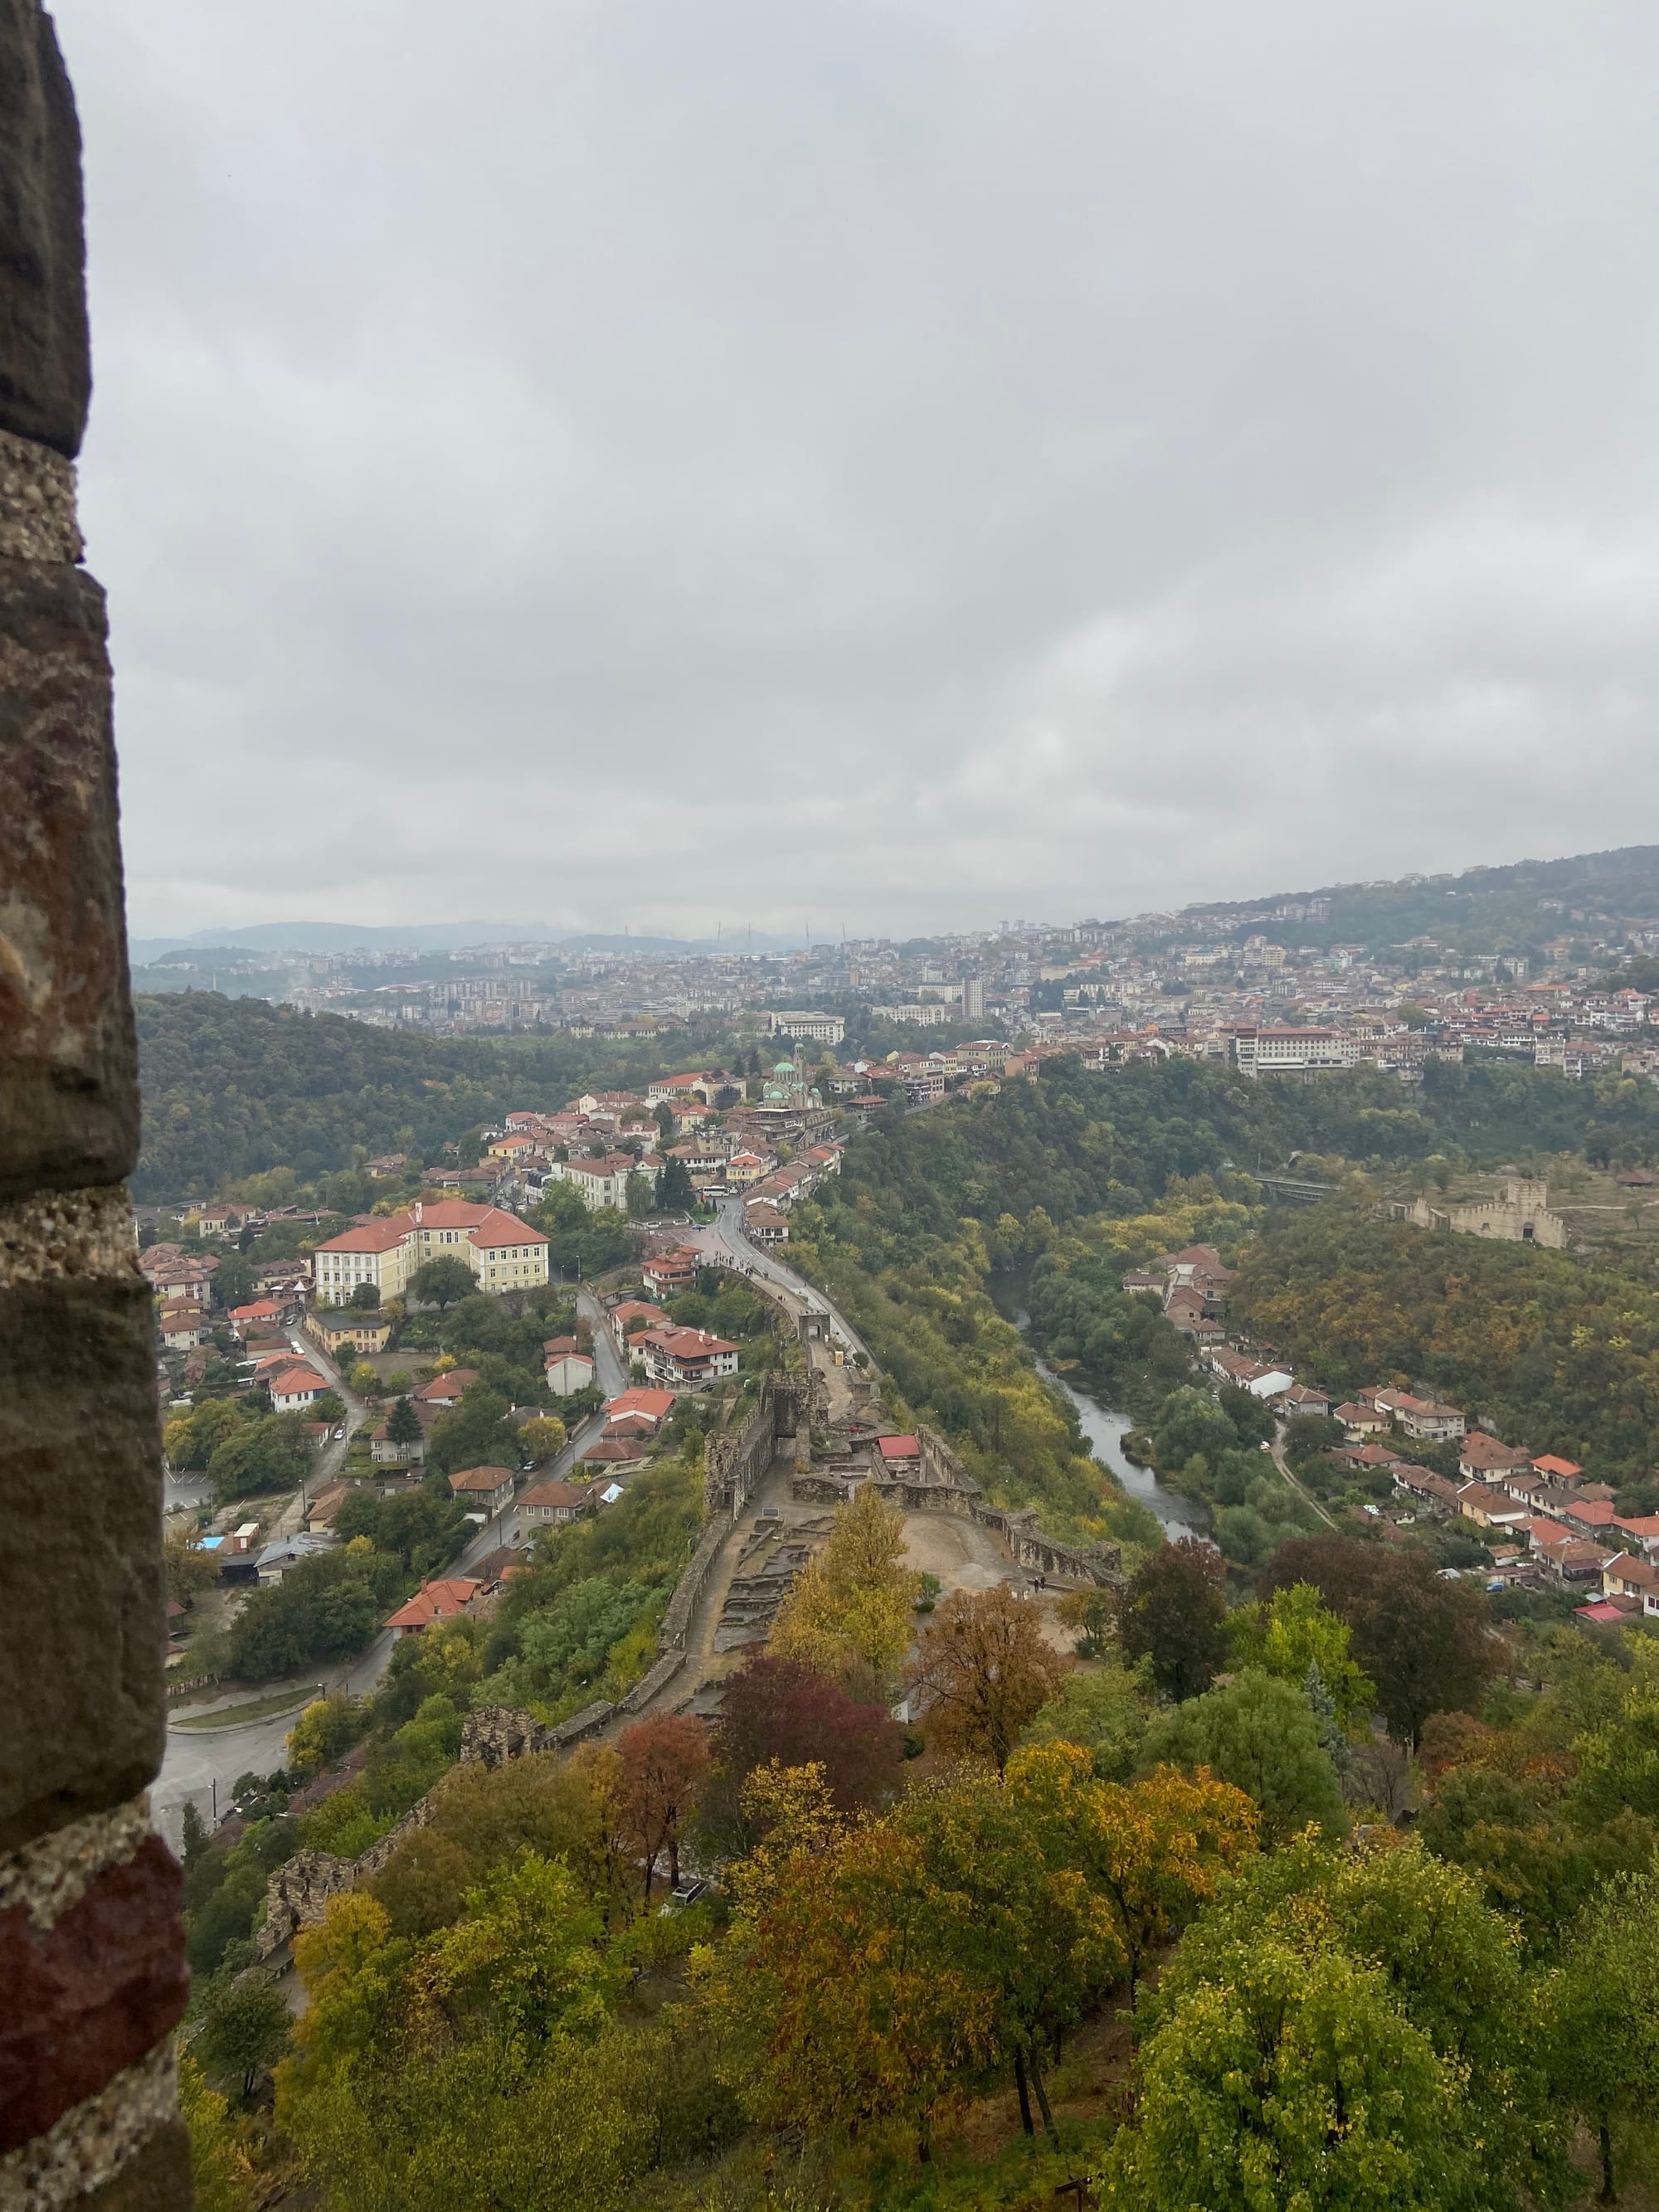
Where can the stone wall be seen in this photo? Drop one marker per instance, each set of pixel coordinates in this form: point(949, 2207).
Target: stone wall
point(91, 1937)
point(735, 1463)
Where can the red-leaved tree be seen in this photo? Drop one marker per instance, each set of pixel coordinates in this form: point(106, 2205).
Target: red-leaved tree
point(784, 1710)
point(665, 1759)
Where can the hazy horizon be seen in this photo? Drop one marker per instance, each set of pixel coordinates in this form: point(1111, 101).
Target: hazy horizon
point(675, 468)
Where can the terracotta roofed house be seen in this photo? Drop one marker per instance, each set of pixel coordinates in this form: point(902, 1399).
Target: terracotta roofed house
point(446, 1599)
point(447, 1389)
point(1558, 1470)
point(1481, 1455)
point(685, 1358)
point(646, 1409)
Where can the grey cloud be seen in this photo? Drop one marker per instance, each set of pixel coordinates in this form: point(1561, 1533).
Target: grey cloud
point(644, 463)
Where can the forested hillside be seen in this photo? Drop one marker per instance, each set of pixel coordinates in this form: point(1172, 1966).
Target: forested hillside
point(1483, 909)
point(1549, 1350)
point(232, 1087)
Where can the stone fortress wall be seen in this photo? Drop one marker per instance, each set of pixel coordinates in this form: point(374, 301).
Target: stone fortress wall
point(92, 1959)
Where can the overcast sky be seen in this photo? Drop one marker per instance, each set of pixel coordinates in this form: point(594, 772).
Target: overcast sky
point(888, 463)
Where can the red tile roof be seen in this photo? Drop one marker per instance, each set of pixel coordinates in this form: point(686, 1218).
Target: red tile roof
point(899, 1447)
point(439, 1600)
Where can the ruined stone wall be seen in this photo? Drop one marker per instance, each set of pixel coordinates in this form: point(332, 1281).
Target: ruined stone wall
point(91, 1972)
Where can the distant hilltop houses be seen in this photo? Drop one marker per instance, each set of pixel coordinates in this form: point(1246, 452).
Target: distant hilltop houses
point(1547, 1521)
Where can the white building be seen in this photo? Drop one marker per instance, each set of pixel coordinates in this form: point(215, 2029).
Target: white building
point(812, 1029)
point(605, 1181)
point(1291, 1051)
point(504, 1252)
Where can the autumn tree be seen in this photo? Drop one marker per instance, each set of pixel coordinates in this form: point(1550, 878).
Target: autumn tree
point(542, 1439)
point(665, 1759)
point(842, 1996)
point(849, 1611)
point(188, 1568)
point(1172, 1612)
point(1153, 1852)
point(1426, 1644)
point(983, 1670)
point(775, 1709)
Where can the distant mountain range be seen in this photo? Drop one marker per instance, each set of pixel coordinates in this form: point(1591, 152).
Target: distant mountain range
point(302, 937)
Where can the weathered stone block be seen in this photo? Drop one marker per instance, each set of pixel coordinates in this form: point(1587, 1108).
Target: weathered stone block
point(45, 369)
point(38, 520)
point(91, 1994)
point(80, 1586)
point(69, 1102)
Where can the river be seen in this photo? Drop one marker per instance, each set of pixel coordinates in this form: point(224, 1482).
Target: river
point(1105, 1430)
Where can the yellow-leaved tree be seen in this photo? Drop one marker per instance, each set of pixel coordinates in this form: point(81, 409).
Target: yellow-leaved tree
point(849, 1613)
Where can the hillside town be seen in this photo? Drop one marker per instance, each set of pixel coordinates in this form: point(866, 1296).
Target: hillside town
point(1545, 1522)
point(1263, 987)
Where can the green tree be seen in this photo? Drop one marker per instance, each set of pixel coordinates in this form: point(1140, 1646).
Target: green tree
point(1603, 2009)
point(1296, 1630)
point(402, 1422)
point(1172, 1612)
point(244, 2032)
point(1261, 1735)
point(441, 1281)
point(1426, 1644)
point(368, 1296)
point(676, 1193)
point(1346, 2030)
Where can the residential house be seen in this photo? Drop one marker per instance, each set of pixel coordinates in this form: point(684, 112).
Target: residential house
point(1558, 1470)
point(1426, 1488)
point(1627, 1576)
point(384, 1453)
point(603, 1181)
point(632, 1315)
point(446, 1389)
point(764, 1225)
point(1490, 1509)
point(569, 1372)
point(667, 1273)
point(555, 1502)
point(444, 1600)
point(1360, 1419)
point(294, 1386)
point(504, 1252)
point(183, 1326)
point(639, 1412)
point(1481, 1457)
point(1424, 1419)
point(685, 1358)
point(484, 1490)
point(221, 1221)
point(1301, 1399)
point(613, 1457)
point(288, 1551)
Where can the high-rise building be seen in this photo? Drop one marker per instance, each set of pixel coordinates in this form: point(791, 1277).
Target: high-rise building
point(973, 998)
